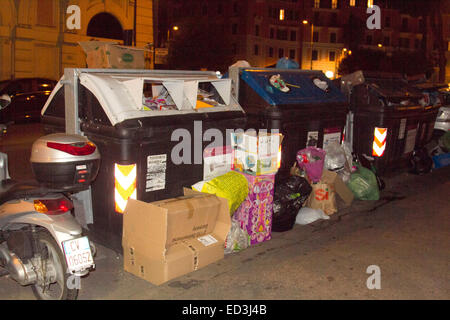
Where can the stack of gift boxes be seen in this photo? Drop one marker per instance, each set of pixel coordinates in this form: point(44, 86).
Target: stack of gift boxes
point(257, 156)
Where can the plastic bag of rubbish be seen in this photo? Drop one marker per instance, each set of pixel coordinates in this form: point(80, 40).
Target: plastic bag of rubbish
point(237, 239)
point(311, 159)
point(308, 215)
point(363, 184)
point(337, 159)
point(289, 197)
point(232, 186)
point(286, 63)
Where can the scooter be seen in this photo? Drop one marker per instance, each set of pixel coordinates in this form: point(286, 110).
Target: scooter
point(41, 243)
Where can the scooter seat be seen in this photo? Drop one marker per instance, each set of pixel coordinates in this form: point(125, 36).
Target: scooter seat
point(12, 189)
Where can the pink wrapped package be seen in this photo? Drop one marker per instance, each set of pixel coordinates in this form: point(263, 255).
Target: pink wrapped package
point(311, 160)
point(255, 213)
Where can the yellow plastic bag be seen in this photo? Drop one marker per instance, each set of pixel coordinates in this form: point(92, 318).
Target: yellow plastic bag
point(232, 186)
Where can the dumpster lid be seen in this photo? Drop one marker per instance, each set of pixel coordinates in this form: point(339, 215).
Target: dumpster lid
point(121, 92)
point(304, 86)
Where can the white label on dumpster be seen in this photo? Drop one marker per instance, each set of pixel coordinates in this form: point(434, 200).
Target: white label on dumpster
point(156, 172)
point(410, 140)
point(207, 240)
point(331, 135)
point(312, 139)
point(401, 130)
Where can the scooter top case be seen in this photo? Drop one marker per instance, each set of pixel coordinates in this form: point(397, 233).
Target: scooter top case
point(65, 162)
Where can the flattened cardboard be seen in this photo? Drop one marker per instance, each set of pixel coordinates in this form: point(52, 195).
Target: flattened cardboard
point(160, 239)
point(340, 187)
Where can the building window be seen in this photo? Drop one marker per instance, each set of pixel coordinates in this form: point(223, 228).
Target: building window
point(270, 52)
point(314, 55)
point(352, 3)
point(387, 22)
point(257, 30)
point(272, 33)
point(333, 37)
point(334, 4)
point(235, 7)
point(281, 14)
point(405, 24)
point(292, 54)
point(293, 35)
point(332, 56)
point(256, 50)
point(416, 43)
point(316, 3)
point(315, 36)
point(282, 34)
point(280, 53)
point(219, 9)
point(204, 10)
point(234, 28)
point(45, 12)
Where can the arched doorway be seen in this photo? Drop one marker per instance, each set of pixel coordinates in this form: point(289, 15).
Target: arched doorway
point(105, 25)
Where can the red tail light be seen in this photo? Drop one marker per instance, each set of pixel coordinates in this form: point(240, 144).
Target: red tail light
point(73, 149)
point(53, 206)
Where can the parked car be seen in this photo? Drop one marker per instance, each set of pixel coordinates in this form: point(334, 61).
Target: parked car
point(28, 96)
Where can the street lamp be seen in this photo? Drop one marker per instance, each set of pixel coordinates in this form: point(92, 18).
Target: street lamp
point(174, 28)
point(312, 34)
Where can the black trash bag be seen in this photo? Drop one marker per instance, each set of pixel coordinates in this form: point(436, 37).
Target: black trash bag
point(289, 197)
point(420, 161)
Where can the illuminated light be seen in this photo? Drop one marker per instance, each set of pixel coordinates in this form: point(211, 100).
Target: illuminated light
point(345, 49)
point(45, 85)
point(369, 3)
point(27, 116)
point(279, 158)
point(53, 206)
point(281, 14)
point(329, 74)
point(125, 185)
point(380, 45)
point(379, 141)
point(305, 21)
point(175, 28)
point(350, 52)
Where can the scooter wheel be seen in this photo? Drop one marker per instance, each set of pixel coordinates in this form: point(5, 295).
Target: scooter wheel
point(51, 252)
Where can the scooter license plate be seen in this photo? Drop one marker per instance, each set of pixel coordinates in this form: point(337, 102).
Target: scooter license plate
point(78, 254)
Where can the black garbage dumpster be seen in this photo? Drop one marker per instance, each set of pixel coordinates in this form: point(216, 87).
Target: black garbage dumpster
point(148, 151)
point(307, 108)
point(432, 101)
point(387, 117)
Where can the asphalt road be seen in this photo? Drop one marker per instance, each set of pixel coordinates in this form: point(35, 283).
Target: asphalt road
point(406, 235)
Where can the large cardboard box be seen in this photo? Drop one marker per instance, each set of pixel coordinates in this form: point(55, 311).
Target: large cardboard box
point(255, 213)
point(256, 153)
point(104, 55)
point(166, 239)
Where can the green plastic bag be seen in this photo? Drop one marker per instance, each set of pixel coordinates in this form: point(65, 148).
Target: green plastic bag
point(363, 184)
point(232, 186)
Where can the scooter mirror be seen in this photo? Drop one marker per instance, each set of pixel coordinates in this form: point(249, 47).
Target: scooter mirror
point(5, 100)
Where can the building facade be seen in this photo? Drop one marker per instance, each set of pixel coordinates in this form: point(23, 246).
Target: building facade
point(312, 32)
point(35, 40)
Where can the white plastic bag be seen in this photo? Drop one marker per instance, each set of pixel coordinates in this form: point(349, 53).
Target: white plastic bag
point(307, 215)
point(339, 159)
point(237, 239)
